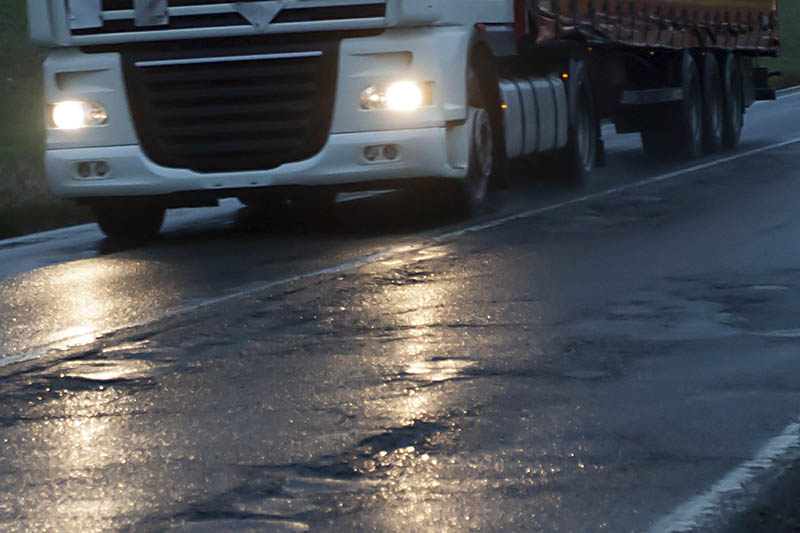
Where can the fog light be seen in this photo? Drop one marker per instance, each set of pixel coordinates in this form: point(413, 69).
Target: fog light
point(84, 170)
point(404, 96)
point(101, 168)
point(371, 153)
point(390, 152)
point(74, 115)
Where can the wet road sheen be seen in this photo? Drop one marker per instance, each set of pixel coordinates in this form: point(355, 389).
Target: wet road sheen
point(588, 368)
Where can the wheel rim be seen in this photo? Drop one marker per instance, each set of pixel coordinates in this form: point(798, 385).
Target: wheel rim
point(737, 106)
point(695, 118)
point(483, 155)
point(717, 111)
point(585, 135)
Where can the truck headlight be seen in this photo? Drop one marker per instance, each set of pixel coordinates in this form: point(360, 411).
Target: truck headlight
point(73, 115)
point(398, 96)
point(403, 96)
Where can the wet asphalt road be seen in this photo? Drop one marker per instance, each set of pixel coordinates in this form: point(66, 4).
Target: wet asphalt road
point(590, 365)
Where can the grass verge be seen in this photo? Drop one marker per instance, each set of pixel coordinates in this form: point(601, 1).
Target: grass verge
point(34, 216)
point(25, 203)
point(789, 60)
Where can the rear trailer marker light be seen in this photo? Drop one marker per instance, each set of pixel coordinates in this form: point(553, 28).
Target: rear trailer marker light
point(73, 115)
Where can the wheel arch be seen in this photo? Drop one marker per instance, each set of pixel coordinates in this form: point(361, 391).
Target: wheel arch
point(485, 63)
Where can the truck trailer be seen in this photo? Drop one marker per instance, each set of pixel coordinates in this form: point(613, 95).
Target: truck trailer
point(158, 104)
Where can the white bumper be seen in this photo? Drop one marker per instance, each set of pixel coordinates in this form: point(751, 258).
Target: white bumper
point(421, 153)
point(432, 141)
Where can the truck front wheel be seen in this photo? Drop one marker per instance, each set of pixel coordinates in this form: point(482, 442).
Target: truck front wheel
point(580, 156)
point(469, 194)
point(129, 220)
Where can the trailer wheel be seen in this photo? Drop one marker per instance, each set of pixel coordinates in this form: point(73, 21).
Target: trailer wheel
point(580, 157)
point(733, 87)
point(677, 129)
point(689, 131)
point(129, 221)
point(713, 105)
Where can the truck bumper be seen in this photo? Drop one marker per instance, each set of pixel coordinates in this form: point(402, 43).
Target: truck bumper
point(421, 153)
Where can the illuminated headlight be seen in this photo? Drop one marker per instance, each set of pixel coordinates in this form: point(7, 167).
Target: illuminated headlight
point(399, 96)
point(74, 115)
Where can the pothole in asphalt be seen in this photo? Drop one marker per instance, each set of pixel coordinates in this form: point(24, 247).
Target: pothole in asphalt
point(586, 374)
point(438, 370)
point(108, 371)
point(780, 334)
point(241, 526)
point(768, 288)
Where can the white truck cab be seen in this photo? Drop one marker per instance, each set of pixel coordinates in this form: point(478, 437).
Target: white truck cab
point(153, 104)
point(175, 102)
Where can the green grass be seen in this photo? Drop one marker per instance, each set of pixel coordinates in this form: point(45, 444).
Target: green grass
point(25, 202)
point(789, 60)
point(21, 116)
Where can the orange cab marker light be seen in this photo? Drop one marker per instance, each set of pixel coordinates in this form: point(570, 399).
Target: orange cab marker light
point(503, 106)
point(565, 75)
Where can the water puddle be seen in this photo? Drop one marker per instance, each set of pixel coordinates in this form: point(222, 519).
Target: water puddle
point(242, 526)
point(438, 370)
point(768, 288)
point(780, 334)
point(107, 371)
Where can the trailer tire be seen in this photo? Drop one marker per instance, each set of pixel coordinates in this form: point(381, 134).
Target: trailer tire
point(677, 129)
point(580, 156)
point(129, 221)
point(733, 86)
point(713, 105)
point(689, 131)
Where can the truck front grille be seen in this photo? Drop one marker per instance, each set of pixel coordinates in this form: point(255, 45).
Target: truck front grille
point(232, 109)
point(193, 15)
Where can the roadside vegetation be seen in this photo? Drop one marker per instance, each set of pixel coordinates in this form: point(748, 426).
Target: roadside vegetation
point(789, 60)
point(25, 203)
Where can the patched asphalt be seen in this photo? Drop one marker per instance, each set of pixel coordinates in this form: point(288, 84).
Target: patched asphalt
point(587, 368)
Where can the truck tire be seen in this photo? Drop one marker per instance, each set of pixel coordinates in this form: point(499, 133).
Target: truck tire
point(689, 127)
point(677, 130)
point(580, 156)
point(733, 87)
point(469, 194)
point(713, 105)
point(129, 221)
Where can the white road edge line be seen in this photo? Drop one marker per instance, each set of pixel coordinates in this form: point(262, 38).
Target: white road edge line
point(713, 507)
point(614, 190)
point(79, 340)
